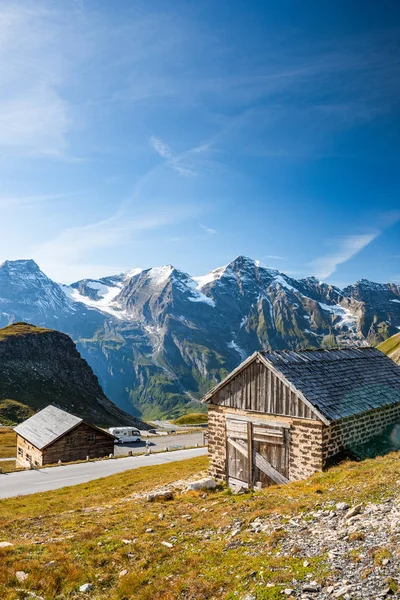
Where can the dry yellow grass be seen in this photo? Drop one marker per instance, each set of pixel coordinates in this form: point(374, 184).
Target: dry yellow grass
point(95, 531)
point(8, 442)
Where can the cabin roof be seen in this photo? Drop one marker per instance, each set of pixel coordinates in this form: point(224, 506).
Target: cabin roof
point(335, 383)
point(48, 425)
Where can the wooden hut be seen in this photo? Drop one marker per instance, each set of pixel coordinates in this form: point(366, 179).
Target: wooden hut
point(282, 416)
point(52, 435)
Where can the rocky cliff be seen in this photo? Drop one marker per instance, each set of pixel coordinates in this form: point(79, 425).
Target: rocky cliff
point(39, 367)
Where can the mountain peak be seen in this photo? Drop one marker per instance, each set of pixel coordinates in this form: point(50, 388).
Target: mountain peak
point(244, 261)
point(27, 264)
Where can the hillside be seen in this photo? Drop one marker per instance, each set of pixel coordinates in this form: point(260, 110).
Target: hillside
point(158, 339)
point(38, 367)
point(391, 347)
point(293, 541)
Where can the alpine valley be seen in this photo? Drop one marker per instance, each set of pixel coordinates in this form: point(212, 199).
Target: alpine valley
point(158, 338)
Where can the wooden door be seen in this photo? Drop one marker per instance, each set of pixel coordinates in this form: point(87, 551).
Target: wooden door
point(237, 457)
point(270, 444)
point(256, 453)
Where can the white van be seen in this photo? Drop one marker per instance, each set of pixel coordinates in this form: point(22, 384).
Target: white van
point(125, 434)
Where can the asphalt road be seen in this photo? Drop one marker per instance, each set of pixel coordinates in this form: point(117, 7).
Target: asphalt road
point(23, 483)
point(159, 442)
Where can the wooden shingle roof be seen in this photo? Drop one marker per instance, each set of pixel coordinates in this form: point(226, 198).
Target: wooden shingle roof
point(340, 383)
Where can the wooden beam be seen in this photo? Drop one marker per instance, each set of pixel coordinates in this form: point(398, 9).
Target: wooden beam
point(250, 453)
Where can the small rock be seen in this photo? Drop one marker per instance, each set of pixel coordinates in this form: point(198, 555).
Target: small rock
point(385, 561)
point(342, 506)
point(126, 541)
point(342, 591)
point(123, 572)
point(312, 587)
point(167, 544)
point(288, 591)
point(208, 483)
point(86, 587)
point(160, 495)
point(353, 511)
point(5, 544)
point(21, 576)
point(149, 530)
point(306, 563)
point(238, 490)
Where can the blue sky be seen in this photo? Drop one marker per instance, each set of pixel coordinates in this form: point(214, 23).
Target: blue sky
point(135, 134)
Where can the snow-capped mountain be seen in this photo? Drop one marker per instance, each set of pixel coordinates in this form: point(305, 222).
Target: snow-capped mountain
point(159, 338)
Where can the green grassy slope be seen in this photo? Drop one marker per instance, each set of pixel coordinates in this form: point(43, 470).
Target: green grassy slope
point(391, 347)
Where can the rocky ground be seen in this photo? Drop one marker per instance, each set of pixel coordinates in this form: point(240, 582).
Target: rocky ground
point(361, 545)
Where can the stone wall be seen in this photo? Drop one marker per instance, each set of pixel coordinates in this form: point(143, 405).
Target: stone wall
point(305, 448)
point(357, 429)
point(217, 442)
point(27, 454)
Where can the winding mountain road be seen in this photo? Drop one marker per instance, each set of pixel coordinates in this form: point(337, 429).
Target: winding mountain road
point(22, 483)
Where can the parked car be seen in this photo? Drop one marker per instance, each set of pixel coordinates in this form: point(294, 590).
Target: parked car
point(126, 434)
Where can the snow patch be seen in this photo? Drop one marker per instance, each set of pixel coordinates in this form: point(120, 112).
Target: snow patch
point(105, 304)
point(395, 300)
point(313, 333)
point(346, 316)
point(160, 275)
point(132, 273)
point(100, 287)
point(210, 277)
point(279, 279)
point(237, 349)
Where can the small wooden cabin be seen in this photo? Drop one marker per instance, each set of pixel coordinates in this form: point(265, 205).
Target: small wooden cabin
point(282, 416)
point(52, 435)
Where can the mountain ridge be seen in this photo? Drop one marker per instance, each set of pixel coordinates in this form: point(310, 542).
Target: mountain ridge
point(159, 338)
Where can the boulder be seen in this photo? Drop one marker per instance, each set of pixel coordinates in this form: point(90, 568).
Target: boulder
point(208, 483)
point(21, 576)
point(160, 495)
point(5, 544)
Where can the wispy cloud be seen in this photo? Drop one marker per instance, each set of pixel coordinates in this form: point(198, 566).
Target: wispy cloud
point(187, 163)
point(76, 244)
point(161, 147)
point(37, 50)
point(274, 257)
point(208, 230)
point(24, 201)
point(346, 248)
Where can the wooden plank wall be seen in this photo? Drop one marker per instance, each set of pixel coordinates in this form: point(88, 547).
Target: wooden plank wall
point(257, 389)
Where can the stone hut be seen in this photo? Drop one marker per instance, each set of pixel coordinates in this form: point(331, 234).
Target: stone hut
point(282, 416)
point(53, 434)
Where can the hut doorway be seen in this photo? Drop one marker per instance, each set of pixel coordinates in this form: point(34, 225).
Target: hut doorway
point(256, 452)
